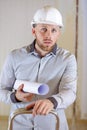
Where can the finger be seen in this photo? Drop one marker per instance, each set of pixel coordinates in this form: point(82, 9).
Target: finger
point(37, 104)
point(20, 88)
point(41, 108)
point(26, 95)
point(45, 111)
point(30, 106)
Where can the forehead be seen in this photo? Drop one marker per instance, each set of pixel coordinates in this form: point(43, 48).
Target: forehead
point(47, 26)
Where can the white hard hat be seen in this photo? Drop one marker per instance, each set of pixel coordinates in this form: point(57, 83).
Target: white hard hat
point(48, 15)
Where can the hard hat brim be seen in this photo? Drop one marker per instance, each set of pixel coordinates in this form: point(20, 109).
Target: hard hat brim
point(46, 22)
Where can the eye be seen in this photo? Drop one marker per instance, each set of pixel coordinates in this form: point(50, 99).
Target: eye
point(43, 29)
point(54, 30)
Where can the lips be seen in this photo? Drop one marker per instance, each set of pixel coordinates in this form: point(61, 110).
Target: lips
point(47, 41)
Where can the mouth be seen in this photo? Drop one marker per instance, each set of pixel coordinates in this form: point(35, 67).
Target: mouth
point(47, 41)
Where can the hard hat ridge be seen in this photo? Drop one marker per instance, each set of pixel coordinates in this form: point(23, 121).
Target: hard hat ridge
point(48, 15)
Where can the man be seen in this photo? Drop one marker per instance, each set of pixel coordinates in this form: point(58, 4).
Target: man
point(43, 62)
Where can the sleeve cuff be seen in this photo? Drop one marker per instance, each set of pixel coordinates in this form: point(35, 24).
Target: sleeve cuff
point(53, 100)
point(13, 98)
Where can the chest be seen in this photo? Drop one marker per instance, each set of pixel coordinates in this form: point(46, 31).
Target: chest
point(40, 69)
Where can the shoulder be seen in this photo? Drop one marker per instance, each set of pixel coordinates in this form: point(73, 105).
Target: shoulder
point(66, 57)
point(64, 54)
point(19, 51)
point(17, 55)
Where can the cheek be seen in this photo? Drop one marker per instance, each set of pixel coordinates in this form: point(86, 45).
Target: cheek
point(39, 36)
point(55, 38)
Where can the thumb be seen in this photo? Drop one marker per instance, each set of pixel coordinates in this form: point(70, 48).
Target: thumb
point(20, 88)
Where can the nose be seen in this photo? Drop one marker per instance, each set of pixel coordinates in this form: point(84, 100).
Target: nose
point(48, 34)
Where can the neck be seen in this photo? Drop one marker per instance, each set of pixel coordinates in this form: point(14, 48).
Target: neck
point(41, 52)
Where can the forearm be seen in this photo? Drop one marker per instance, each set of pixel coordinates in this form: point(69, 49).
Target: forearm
point(64, 99)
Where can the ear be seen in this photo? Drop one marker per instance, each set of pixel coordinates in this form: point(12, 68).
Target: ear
point(33, 31)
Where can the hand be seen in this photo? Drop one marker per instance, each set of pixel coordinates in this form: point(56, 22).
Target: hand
point(22, 96)
point(41, 107)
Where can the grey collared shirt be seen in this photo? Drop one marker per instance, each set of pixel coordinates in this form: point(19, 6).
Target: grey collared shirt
point(58, 69)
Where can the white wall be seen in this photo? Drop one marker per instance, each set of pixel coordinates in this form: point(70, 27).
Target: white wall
point(84, 56)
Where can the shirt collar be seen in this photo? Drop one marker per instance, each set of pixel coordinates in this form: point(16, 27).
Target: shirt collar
point(31, 48)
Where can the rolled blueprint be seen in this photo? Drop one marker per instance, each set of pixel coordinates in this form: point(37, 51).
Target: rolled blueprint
point(32, 87)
